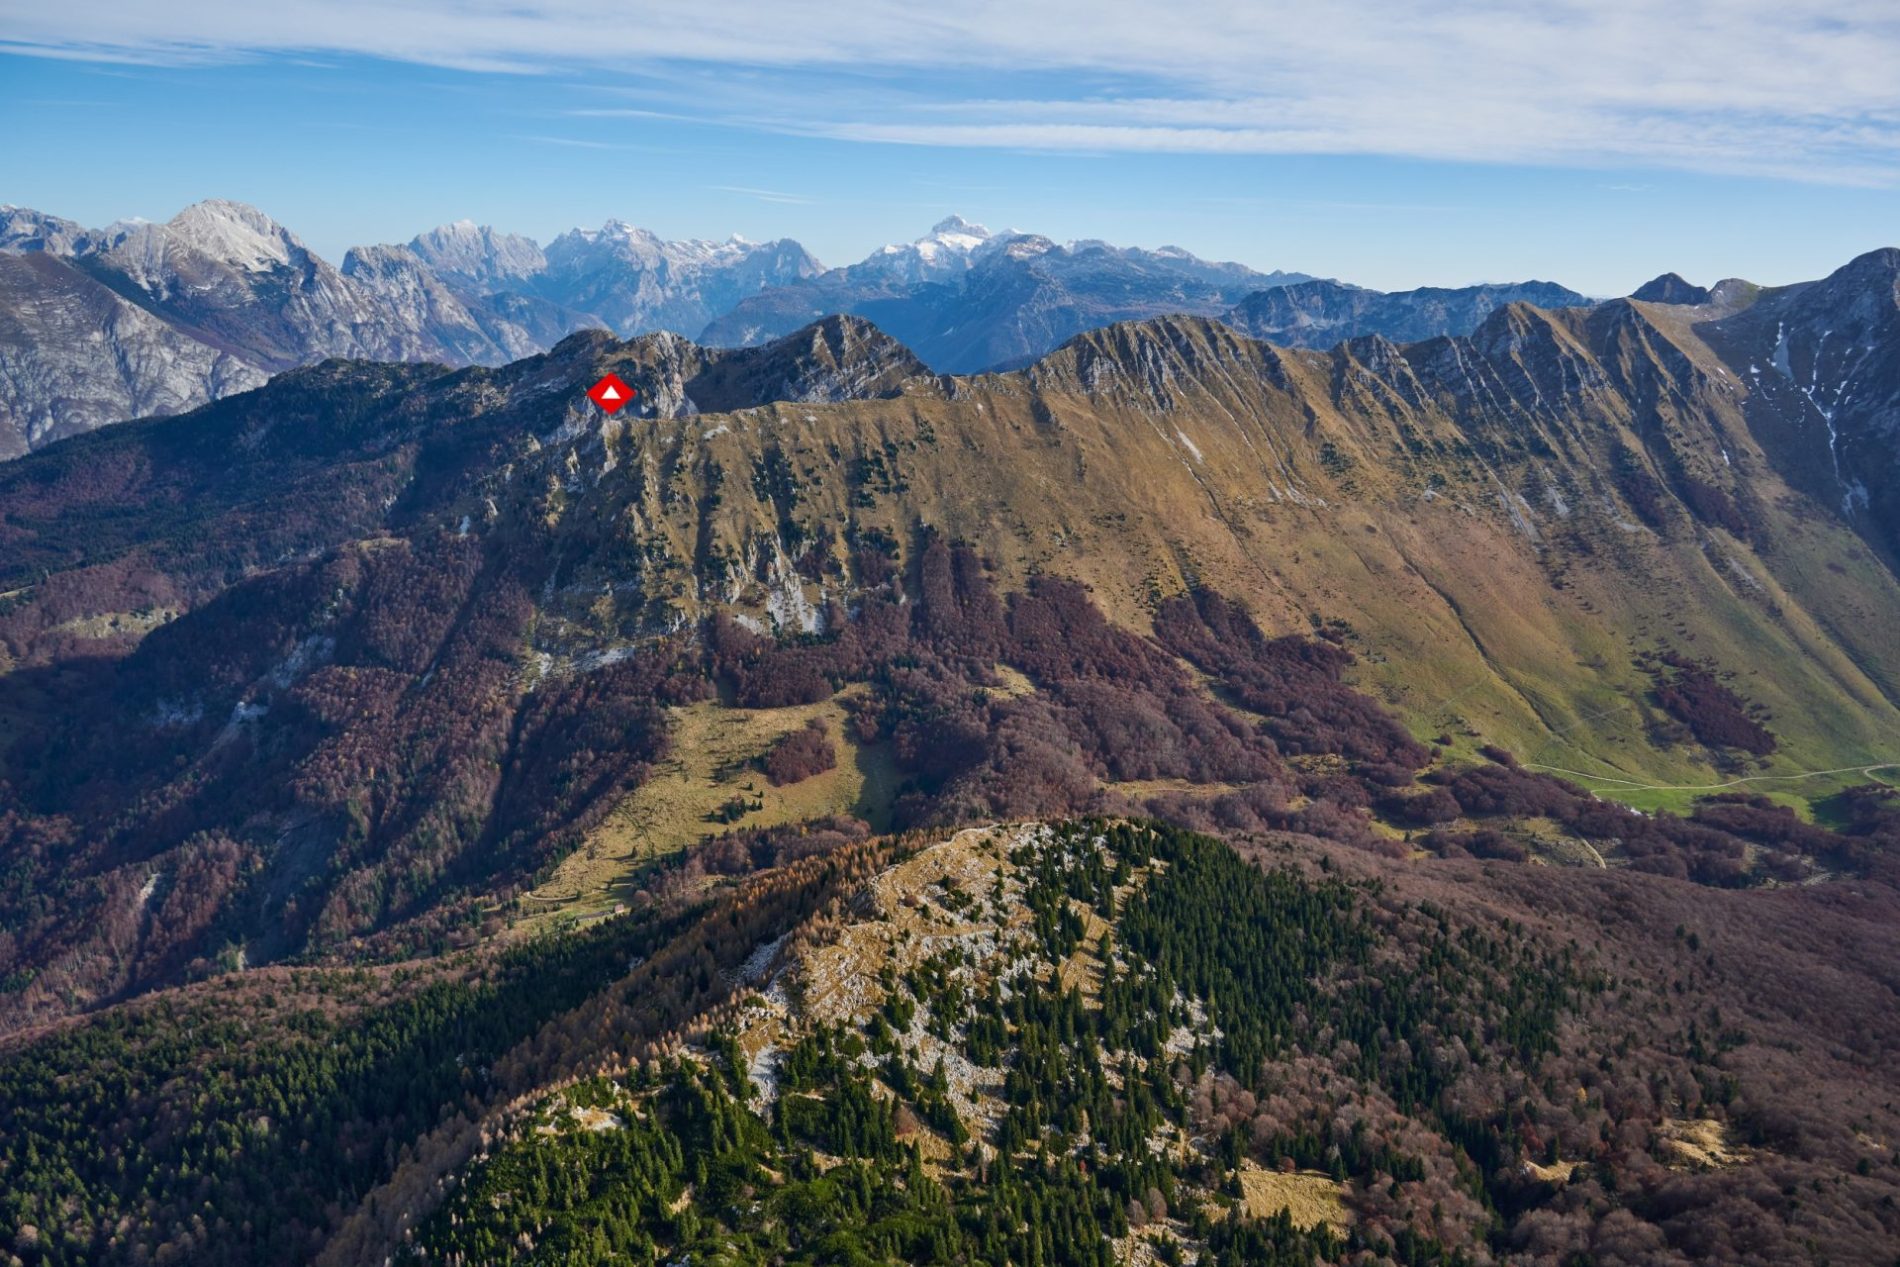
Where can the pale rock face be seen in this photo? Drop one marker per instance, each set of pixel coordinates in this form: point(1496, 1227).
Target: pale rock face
point(418, 300)
point(841, 358)
point(24, 229)
point(232, 277)
point(75, 356)
point(477, 257)
point(142, 319)
point(232, 233)
point(467, 329)
point(636, 281)
point(220, 297)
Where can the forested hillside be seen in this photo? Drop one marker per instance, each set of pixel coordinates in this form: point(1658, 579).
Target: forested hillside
point(1091, 1042)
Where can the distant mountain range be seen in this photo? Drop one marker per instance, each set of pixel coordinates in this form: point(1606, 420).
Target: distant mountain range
point(101, 325)
point(1318, 314)
point(140, 319)
point(965, 299)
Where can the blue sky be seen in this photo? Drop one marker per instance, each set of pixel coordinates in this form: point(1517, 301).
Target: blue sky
point(1389, 144)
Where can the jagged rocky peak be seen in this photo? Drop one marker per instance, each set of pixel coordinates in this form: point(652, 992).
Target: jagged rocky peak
point(584, 343)
point(614, 232)
point(1024, 246)
point(954, 233)
point(1151, 357)
point(1542, 356)
point(838, 358)
point(940, 255)
point(24, 229)
point(1620, 331)
point(219, 230)
point(211, 253)
point(1512, 325)
point(1374, 352)
point(957, 225)
point(1875, 275)
point(1670, 288)
point(232, 233)
point(845, 340)
point(396, 274)
point(1849, 312)
point(621, 239)
point(1821, 363)
point(478, 255)
point(1733, 293)
point(660, 366)
point(635, 280)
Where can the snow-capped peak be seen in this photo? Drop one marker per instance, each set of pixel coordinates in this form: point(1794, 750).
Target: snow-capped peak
point(1024, 246)
point(957, 227)
point(942, 253)
point(456, 232)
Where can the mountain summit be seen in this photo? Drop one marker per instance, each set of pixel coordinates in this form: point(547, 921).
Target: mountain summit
point(478, 257)
point(940, 255)
point(1670, 288)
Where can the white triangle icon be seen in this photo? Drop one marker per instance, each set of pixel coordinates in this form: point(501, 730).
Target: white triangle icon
point(610, 394)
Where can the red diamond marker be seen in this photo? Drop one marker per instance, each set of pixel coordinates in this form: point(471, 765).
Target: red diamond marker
point(611, 394)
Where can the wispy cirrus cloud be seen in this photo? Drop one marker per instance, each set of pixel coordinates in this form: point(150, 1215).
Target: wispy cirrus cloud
point(766, 195)
point(583, 143)
point(1800, 89)
point(569, 142)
